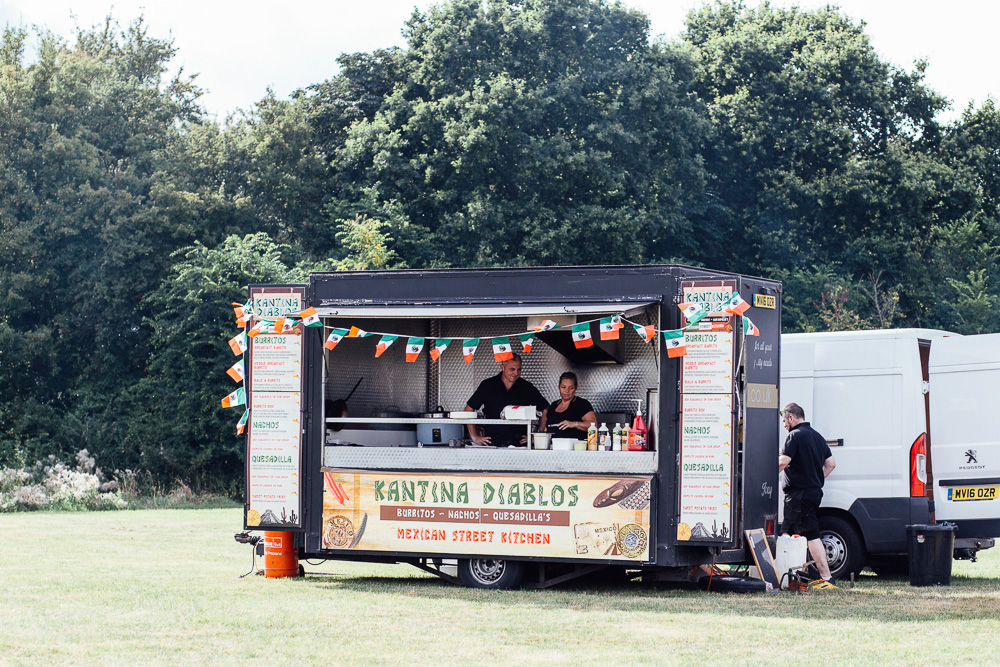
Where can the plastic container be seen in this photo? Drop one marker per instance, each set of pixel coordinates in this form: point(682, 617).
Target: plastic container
point(541, 440)
point(280, 556)
point(637, 437)
point(603, 439)
point(931, 549)
point(564, 444)
point(616, 438)
point(790, 553)
point(592, 437)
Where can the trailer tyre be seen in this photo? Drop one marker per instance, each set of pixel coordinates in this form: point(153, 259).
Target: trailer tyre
point(490, 573)
point(844, 549)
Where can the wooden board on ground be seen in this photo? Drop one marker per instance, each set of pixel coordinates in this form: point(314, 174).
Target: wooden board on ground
point(757, 541)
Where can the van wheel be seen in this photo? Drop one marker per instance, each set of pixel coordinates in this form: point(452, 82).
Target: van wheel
point(490, 573)
point(844, 549)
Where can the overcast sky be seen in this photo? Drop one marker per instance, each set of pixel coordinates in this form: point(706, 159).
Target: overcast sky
point(239, 48)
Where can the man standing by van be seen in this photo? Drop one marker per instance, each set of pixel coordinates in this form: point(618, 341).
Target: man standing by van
point(806, 461)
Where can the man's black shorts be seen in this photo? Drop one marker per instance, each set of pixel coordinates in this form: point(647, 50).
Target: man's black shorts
point(801, 508)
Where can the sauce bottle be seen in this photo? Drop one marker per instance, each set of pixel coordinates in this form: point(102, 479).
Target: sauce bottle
point(604, 438)
point(626, 437)
point(616, 438)
point(638, 431)
point(592, 437)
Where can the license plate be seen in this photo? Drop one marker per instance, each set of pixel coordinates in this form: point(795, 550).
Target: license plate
point(973, 493)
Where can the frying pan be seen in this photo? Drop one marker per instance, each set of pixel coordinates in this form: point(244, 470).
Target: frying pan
point(338, 408)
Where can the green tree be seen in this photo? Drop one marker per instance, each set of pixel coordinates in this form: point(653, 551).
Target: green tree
point(528, 132)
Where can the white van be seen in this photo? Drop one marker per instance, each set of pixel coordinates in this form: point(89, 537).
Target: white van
point(909, 416)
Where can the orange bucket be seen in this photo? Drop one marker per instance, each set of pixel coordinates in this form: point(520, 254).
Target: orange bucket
point(280, 556)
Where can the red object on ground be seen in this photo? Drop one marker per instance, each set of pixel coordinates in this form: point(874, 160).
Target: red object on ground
point(280, 557)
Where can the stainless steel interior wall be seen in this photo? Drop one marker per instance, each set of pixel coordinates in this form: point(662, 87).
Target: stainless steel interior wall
point(392, 383)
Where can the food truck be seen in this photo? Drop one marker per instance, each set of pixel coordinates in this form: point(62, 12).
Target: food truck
point(357, 435)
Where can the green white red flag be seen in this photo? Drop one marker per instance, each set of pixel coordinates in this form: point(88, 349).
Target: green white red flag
point(527, 340)
point(236, 371)
point(645, 332)
point(238, 397)
point(261, 326)
point(609, 327)
point(545, 326)
point(735, 305)
point(357, 333)
point(335, 337)
point(581, 335)
point(749, 328)
point(469, 346)
point(243, 313)
point(440, 345)
point(242, 423)
point(238, 343)
point(693, 312)
point(676, 344)
point(384, 344)
point(310, 318)
point(501, 349)
point(413, 347)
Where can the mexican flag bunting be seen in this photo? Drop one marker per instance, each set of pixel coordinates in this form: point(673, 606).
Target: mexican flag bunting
point(334, 338)
point(238, 343)
point(501, 349)
point(469, 346)
point(693, 312)
point(676, 345)
point(645, 332)
point(413, 347)
point(310, 318)
point(608, 329)
point(384, 344)
point(440, 345)
point(285, 324)
point(735, 305)
point(243, 314)
point(262, 326)
point(236, 371)
point(581, 335)
point(749, 328)
point(242, 423)
point(357, 333)
point(545, 326)
point(238, 397)
point(527, 340)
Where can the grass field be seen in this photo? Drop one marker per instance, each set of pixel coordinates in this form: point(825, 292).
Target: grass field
point(164, 587)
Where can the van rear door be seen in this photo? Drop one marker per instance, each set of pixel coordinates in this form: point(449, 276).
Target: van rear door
point(965, 434)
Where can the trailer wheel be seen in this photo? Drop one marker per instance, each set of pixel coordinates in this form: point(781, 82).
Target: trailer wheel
point(844, 549)
point(722, 583)
point(490, 573)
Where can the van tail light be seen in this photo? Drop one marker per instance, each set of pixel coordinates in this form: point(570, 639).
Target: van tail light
point(769, 525)
point(918, 467)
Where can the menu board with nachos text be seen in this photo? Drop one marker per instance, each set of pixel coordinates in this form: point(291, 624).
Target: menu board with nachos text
point(601, 518)
point(707, 434)
point(274, 429)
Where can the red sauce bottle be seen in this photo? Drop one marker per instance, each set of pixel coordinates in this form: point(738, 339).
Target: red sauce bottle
point(637, 437)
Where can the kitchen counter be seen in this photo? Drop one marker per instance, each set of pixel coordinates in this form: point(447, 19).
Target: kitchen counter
point(487, 459)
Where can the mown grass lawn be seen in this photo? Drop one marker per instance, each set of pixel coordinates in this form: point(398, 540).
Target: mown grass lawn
point(164, 587)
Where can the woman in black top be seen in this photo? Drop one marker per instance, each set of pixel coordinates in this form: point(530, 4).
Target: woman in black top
point(570, 416)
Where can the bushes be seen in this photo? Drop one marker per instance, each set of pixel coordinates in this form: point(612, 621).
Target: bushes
point(53, 485)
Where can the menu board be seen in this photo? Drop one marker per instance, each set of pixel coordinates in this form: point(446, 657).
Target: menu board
point(274, 431)
point(706, 466)
point(708, 364)
point(705, 502)
point(604, 518)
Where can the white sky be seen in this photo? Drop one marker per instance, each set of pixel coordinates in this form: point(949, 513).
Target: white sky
point(241, 47)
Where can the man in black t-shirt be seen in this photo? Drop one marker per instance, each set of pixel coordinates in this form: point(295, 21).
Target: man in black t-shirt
point(493, 395)
point(805, 462)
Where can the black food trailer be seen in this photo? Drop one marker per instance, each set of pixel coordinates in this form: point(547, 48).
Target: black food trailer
point(358, 435)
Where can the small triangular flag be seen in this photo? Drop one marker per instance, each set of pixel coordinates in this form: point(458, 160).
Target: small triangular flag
point(645, 332)
point(238, 397)
point(469, 346)
point(310, 318)
point(581, 335)
point(440, 345)
point(335, 337)
point(676, 344)
point(692, 312)
point(238, 343)
point(527, 340)
point(357, 333)
point(735, 304)
point(242, 423)
point(749, 328)
point(413, 347)
point(384, 344)
point(501, 349)
point(236, 371)
point(608, 329)
point(545, 326)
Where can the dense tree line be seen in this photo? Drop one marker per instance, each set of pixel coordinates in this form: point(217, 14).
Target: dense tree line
point(768, 141)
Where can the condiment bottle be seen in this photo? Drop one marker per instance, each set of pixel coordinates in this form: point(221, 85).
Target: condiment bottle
point(638, 431)
point(604, 437)
point(616, 438)
point(592, 437)
point(626, 437)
